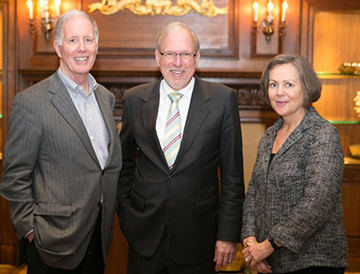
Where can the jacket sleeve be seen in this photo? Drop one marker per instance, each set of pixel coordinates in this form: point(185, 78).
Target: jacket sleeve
point(20, 158)
point(231, 174)
point(129, 154)
point(249, 211)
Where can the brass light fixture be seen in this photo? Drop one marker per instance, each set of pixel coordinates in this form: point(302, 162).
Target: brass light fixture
point(268, 21)
point(47, 19)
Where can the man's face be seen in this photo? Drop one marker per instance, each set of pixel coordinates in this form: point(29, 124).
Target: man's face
point(78, 49)
point(177, 71)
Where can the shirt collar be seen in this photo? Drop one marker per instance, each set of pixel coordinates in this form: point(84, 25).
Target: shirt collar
point(74, 87)
point(186, 91)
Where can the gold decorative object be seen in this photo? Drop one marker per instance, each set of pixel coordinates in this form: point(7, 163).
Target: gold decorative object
point(357, 103)
point(237, 265)
point(355, 150)
point(350, 68)
point(159, 7)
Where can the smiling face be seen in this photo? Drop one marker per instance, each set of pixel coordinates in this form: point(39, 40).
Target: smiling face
point(177, 71)
point(285, 92)
point(78, 49)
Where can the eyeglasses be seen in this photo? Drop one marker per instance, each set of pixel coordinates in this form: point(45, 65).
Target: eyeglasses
point(185, 55)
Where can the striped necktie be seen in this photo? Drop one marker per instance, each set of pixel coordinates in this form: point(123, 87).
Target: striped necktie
point(172, 137)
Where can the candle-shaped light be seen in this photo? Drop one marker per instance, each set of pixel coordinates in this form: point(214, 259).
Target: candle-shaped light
point(57, 4)
point(42, 5)
point(270, 6)
point(256, 7)
point(284, 8)
point(31, 9)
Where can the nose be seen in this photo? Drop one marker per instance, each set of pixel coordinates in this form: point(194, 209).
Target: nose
point(178, 60)
point(82, 46)
point(280, 90)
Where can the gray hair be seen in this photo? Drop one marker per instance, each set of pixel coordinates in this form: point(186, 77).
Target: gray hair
point(173, 26)
point(310, 83)
point(66, 17)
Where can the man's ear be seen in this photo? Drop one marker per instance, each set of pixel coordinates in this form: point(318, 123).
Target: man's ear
point(57, 48)
point(197, 58)
point(157, 57)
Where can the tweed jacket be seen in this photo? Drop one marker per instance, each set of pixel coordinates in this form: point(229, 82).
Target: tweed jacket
point(297, 199)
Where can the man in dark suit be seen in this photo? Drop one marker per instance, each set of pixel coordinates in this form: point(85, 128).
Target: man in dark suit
point(177, 134)
point(62, 160)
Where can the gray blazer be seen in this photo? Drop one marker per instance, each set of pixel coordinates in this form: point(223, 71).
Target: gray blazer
point(297, 200)
point(51, 176)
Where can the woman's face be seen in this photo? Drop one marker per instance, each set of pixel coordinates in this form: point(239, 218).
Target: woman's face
point(285, 91)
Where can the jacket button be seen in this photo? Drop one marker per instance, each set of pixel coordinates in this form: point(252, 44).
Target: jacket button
point(102, 172)
point(170, 178)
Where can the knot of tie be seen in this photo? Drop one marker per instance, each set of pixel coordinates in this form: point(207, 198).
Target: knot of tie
point(175, 96)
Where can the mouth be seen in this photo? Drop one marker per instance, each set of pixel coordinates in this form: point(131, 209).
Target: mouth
point(281, 103)
point(81, 59)
point(177, 72)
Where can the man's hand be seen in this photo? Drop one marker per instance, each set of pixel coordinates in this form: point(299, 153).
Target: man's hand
point(225, 253)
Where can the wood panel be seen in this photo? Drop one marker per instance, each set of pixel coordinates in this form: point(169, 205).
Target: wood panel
point(127, 41)
point(337, 98)
point(218, 35)
point(117, 257)
point(8, 241)
point(351, 197)
point(335, 39)
point(350, 135)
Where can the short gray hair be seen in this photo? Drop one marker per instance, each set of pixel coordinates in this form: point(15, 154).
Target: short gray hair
point(310, 83)
point(175, 25)
point(66, 17)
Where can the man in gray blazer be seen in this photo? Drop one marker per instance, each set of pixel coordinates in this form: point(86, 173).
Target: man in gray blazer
point(62, 160)
point(171, 212)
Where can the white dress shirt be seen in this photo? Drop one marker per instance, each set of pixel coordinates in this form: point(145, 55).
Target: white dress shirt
point(164, 105)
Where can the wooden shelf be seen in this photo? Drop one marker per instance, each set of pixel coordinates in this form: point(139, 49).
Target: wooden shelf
point(335, 75)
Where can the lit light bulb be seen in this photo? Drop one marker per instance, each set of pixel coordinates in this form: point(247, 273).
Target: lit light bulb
point(256, 7)
point(270, 6)
point(284, 8)
point(31, 9)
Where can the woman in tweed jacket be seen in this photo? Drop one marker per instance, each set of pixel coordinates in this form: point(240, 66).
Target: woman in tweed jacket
point(293, 215)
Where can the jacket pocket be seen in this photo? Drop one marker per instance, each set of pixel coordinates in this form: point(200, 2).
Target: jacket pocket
point(137, 201)
point(52, 209)
point(207, 206)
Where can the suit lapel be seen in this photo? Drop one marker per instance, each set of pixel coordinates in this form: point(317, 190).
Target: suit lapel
point(149, 110)
point(61, 100)
point(198, 111)
point(104, 105)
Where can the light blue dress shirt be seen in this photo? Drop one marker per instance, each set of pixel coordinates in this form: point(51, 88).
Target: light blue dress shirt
point(90, 113)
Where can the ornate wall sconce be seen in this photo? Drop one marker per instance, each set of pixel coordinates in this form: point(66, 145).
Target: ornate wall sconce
point(47, 20)
point(268, 21)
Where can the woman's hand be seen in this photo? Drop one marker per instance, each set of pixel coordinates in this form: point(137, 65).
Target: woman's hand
point(263, 267)
point(256, 253)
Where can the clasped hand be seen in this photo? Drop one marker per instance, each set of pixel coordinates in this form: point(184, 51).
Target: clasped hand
point(255, 254)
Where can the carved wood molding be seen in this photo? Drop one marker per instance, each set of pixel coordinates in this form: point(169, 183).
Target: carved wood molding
point(251, 103)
